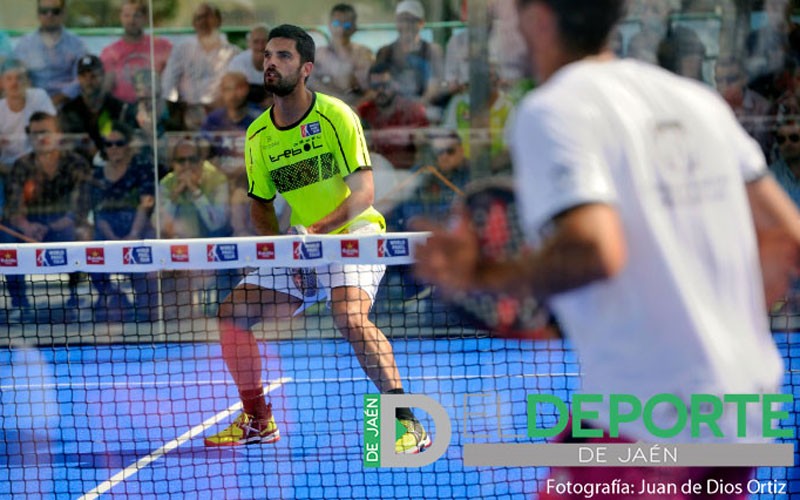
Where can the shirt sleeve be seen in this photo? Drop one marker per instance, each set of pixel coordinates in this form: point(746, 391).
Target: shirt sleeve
point(77, 50)
point(557, 165)
point(171, 74)
point(259, 181)
point(109, 57)
point(350, 149)
point(752, 162)
point(42, 102)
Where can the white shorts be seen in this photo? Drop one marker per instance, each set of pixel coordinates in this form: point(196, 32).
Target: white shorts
point(367, 277)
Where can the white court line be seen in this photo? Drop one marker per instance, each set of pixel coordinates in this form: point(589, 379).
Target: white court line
point(155, 455)
point(436, 377)
point(174, 383)
point(115, 385)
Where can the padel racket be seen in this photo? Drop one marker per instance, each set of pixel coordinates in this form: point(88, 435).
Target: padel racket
point(491, 205)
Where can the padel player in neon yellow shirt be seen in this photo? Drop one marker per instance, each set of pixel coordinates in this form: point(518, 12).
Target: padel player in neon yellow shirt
point(310, 148)
point(309, 161)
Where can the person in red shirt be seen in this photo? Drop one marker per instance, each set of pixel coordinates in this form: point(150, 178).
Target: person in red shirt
point(391, 119)
point(131, 53)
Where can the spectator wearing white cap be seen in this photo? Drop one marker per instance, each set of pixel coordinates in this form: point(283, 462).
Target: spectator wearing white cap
point(341, 68)
point(416, 64)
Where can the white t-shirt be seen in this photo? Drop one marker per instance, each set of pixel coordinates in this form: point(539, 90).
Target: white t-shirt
point(13, 139)
point(243, 63)
point(193, 74)
point(686, 315)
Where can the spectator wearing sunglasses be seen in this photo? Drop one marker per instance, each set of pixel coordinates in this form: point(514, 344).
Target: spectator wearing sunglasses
point(751, 108)
point(436, 189)
point(341, 68)
point(457, 116)
point(433, 197)
point(194, 196)
point(786, 166)
point(391, 120)
point(123, 197)
point(51, 52)
point(194, 203)
point(90, 114)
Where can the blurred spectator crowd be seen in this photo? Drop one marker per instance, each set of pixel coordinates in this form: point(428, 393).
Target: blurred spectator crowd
point(89, 142)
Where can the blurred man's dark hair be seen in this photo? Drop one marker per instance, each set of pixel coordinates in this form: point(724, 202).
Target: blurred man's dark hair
point(585, 25)
point(303, 41)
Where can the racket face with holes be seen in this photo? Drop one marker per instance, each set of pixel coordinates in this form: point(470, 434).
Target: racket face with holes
point(492, 207)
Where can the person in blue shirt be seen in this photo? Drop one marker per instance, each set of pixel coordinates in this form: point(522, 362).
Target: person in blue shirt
point(51, 52)
point(123, 197)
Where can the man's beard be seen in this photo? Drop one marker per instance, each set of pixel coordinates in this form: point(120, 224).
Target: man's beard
point(282, 86)
point(384, 100)
point(134, 32)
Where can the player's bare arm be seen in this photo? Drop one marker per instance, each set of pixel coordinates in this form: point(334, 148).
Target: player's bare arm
point(264, 218)
point(362, 194)
point(587, 244)
point(777, 223)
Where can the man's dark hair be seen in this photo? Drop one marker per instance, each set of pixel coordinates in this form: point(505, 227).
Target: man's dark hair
point(344, 8)
point(186, 141)
point(39, 116)
point(302, 40)
point(677, 44)
point(379, 68)
point(732, 61)
point(585, 25)
point(123, 128)
point(213, 9)
point(141, 6)
point(61, 3)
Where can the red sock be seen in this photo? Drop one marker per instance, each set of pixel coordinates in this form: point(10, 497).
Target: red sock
point(255, 404)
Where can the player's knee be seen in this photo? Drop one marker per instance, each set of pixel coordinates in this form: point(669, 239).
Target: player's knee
point(225, 311)
point(233, 313)
point(351, 324)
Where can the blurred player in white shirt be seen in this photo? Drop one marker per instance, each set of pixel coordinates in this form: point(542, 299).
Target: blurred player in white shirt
point(645, 205)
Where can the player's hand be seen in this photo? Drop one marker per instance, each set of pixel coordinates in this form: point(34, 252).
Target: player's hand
point(35, 231)
point(304, 278)
point(179, 188)
point(451, 256)
point(146, 202)
point(144, 118)
point(192, 182)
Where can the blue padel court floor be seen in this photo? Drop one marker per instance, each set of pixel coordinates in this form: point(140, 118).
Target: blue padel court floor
point(128, 421)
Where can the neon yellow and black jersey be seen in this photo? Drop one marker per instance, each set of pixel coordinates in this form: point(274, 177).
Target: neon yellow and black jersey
point(308, 161)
